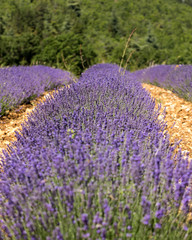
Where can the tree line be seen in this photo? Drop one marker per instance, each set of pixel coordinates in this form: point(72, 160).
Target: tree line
point(74, 34)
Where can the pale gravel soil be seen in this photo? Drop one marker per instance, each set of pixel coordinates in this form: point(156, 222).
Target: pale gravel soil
point(177, 110)
point(178, 115)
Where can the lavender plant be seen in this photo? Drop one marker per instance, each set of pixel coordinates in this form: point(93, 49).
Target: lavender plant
point(21, 84)
point(94, 162)
point(177, 78)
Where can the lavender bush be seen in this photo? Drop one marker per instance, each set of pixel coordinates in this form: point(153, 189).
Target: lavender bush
point(177, 78)
point(93, 162)
point(21, 84)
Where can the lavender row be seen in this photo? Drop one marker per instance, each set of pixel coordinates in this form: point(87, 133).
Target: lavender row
point(21, 84)
point(92, 162)
point(177, 78)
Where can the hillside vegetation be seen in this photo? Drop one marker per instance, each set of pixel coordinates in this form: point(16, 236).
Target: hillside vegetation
point(74, 34)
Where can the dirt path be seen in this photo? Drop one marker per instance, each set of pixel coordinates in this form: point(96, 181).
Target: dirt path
point(177, 110)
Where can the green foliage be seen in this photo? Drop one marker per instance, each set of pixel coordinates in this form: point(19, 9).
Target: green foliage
point(51, 32)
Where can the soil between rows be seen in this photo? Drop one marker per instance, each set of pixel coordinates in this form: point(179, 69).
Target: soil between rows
point(178, 115)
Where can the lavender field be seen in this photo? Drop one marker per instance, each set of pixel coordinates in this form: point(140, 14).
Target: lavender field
point(94, 162)
point(177, 78)
point(21, 84)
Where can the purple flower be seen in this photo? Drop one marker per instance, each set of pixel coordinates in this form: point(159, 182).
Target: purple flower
point(106, 207)
point(128, 235)
point(57, 234)
point(97, 220)
point(103, 233)
point(185, 228)
point(129, 228)
point(186, 201)
point(128, 211)
point(86, 235)
point(49, 207)
point(84, 218)
point(158, 226)
point(146, 205)
point(160, 213)
point(146, 219)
